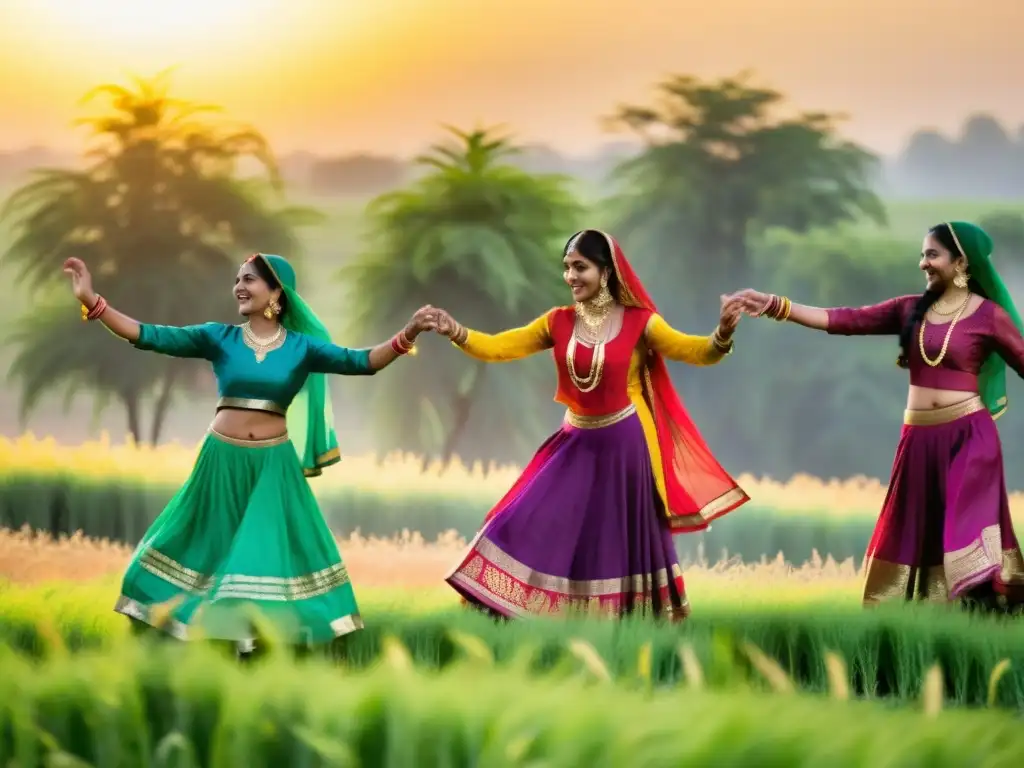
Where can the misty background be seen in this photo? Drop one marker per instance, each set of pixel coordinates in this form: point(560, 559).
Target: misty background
point(789, 401)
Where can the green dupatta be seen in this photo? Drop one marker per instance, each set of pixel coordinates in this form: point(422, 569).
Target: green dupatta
point(976, 247)
point(310, 416)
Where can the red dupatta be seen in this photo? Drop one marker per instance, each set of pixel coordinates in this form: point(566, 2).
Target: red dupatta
point(697, 488)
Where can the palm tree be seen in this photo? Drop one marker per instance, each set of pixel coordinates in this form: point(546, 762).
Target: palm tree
point(718, 167)
point(162, 215)
point(481, 238)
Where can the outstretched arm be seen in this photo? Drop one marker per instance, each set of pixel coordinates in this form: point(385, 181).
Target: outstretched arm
point(514, 344)
point(324, 357)
point(193, 341)
point(884, 319)
point(1007, 341)
point(695, 350)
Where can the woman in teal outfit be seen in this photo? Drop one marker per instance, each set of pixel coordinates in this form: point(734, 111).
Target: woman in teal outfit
point(245, 530)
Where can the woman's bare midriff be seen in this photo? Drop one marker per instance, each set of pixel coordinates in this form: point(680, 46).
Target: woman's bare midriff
point(927, 399)
point(248, 425)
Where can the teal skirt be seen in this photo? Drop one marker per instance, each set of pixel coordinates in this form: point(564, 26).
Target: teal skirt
point(243, 538)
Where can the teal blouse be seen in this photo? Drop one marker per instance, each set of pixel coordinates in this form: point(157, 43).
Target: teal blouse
point(242, 380)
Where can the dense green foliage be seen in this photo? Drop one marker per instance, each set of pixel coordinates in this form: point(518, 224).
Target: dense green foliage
point(888, 650)
point(134, 709)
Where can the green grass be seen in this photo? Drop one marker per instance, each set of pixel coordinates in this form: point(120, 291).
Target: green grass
point(138, 708)
point(888, 650)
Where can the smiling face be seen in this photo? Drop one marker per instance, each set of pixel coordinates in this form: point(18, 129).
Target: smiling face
point(582, 276)
point(938, 263)
point(252, 292)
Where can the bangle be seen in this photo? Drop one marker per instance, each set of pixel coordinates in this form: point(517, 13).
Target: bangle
point(724, 346)
point(97, 309)
point(461, 334)
point(777, 308)
point(784, 311)
point(401, 345)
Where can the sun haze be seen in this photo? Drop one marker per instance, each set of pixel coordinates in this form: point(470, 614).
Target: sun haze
point(347, 75)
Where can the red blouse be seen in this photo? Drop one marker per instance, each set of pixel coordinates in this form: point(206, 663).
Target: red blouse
point(989, 329)
point(612, 393)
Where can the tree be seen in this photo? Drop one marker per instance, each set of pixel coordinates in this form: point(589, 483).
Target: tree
point(481, 238)
point(719, 166)
point(162, 216)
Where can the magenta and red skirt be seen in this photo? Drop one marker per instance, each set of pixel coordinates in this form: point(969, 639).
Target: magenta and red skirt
point(945, 531)
point(583, 529)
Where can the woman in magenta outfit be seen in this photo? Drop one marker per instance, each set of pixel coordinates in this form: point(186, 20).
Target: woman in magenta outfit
point(945, 530)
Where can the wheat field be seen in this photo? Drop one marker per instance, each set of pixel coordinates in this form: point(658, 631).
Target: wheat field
point(104, 460)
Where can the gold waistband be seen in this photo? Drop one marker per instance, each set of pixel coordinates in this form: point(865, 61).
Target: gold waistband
point(269, 442)
point(936, 416)
point(596, 422)
point(251, 404)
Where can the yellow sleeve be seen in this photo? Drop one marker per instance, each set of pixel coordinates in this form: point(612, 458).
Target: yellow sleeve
point(681, 347)
point(514, 344)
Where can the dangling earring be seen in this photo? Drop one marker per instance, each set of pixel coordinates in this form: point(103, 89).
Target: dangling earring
point(604, 296)
point(268, 313)
point(961, 278)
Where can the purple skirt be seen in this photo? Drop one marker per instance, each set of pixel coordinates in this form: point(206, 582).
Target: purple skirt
point(945, 530)
point(582, 530)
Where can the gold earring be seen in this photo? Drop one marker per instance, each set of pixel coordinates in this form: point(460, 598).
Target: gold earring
point(268, 313)
point(604, 296)
point(960, 281)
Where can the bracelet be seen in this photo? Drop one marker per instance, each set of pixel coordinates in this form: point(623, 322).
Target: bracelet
point(461, 334)
point(777, 308)
point(97, 309)
point(401, 345)
point(722, 345)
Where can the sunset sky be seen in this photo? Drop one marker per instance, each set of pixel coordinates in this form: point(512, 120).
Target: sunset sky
point(349, 75)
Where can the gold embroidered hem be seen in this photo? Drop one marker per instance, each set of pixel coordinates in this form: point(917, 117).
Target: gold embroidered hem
point(581, 421)
point(495, 579)
point(714, 508)
point(238, 442)
point(326, 459)
point(244, 587)
point(134, 609)
point(961, 571)
point(937, 416)
point(251, 404)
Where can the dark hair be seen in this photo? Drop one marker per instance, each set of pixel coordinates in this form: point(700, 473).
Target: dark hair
point(593, 246)
point(267, 276)
point(944, 235)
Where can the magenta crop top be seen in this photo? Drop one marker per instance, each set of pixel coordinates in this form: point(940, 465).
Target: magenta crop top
point(975, 337)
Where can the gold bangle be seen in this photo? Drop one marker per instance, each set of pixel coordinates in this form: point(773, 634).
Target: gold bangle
point(460, 336)
point(784, 310)
point(722, 345)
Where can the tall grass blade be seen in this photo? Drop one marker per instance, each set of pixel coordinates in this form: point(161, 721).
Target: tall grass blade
point(769, 669)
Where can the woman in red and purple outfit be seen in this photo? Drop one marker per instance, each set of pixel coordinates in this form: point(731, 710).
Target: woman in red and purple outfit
point(588, 526)
point(945, 530)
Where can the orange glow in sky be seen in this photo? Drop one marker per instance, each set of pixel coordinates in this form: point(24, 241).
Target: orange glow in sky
point(383, 75)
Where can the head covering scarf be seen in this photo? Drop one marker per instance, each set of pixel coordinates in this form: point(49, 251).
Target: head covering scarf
point(975, 246)
point(697, 487)
point(310, 416)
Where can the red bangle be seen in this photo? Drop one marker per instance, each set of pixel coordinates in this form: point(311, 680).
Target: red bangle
point(400, 344)
point(97, 309)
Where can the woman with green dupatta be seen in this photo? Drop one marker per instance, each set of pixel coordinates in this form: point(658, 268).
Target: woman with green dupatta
point(945, 531)
point(245, 530)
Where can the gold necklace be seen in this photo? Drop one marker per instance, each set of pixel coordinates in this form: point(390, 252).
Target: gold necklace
point(949, 334)
point(942, 312)
point(262, 345)
point(589, 382)
point(594, 312)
